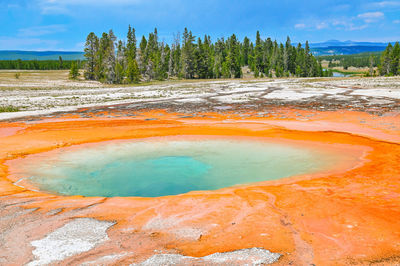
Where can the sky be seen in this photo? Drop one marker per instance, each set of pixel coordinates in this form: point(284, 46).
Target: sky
point(64, 24)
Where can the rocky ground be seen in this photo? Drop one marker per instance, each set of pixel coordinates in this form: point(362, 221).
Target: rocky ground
point(364, 94)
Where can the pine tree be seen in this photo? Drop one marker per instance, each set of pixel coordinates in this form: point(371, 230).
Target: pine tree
point(131, 43)
point(384, 69)
point(371, 65)
point(100, 65)
point(120, 64)
point(161, 62)
point(246, 51)
point(188, 54)
point(60, 62)
point(258, 54)
point(298, 71)
point(165, 56)
point(233, 58)
point(174, 63)
point(225, 70)
point(301, 70)
point(110, 59)
point(266, 58)
point(119, 73)
point(133, 72)
point(171, 63)
point(308, 61)
point(218, 58)
point(200, 63)
point(132, 69)
point(142, 57)
point(149, 73)
point(287, 56)
point(152, 57)
point(74, 71)
point(91, 54)
point(251, 58)
point(208, 56)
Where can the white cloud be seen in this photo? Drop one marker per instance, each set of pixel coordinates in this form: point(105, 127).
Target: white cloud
point(342, 23)
point(340, 8)
point(64, 6)
point(370, 17)
point(357, 27)
point(312, 25)
point(384, 4)
point(348, 24)
point(41, 30)
point(321, 25)
point(397, 21)
point(300, 26)
point(91, 2)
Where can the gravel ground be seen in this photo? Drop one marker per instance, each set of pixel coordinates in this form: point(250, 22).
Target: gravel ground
point(368, 94)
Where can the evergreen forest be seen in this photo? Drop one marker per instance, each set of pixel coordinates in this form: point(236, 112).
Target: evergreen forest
point(59, 64)
point(390, 60)
point(114, 61)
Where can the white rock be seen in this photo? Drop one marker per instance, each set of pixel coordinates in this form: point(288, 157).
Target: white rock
point(75, 237)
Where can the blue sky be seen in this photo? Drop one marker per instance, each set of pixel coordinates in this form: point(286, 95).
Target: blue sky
point(64, 24)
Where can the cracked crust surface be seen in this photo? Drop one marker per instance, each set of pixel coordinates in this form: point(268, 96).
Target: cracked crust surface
point(349, 216)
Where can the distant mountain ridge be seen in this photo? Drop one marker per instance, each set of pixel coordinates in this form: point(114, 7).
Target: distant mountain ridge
point(345, 50)
point(335, 47)
point(40, 55)
point(348, 43)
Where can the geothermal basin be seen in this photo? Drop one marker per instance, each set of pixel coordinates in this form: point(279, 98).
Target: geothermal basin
point(120, 186)
point(155, 167)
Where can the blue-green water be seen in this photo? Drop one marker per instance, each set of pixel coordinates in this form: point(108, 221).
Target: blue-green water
point(339, 74)
point(168, 167)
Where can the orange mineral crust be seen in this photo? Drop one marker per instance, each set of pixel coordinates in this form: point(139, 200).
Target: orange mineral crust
point(342, 216)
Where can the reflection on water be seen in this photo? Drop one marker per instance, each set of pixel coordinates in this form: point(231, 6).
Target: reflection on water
point(338, 74)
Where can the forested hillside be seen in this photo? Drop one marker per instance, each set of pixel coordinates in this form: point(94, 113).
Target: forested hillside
point(354, 60)
point(114, 61)
point(38, 64)
point(388, 61)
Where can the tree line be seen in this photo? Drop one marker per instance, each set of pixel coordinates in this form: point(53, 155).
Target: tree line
point(353, 60)
point(59, 64)
point(390, 60)
point(116, 61)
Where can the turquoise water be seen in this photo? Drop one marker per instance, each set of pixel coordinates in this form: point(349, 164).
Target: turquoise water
point(338, 74)
point(155, 168)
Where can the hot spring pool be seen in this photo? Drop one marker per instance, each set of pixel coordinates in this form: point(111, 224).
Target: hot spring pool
point(152, 168)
